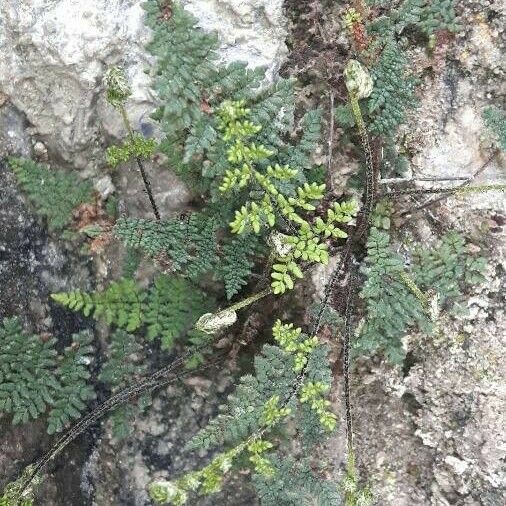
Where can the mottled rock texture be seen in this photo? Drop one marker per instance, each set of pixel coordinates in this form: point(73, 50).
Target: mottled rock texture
point(428, 433)
point(53, 56)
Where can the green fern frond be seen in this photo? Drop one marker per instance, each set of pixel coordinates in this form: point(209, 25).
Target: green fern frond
point(124, 362)
point(72, 374)
point(120, 304)
point(495, 120)
point(296, 483)
point(393, 92)
point(189, 244)
point(391, 307)
point(449, 268)
point(168, 309)
point(172, 307)
point(27, 381)
point(237, 262)
point(254, 410)
point(54, 194)
point(34, 379)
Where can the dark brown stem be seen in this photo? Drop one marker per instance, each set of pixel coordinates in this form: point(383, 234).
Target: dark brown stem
point(331, 134)
point(147, 185)
point(156, 380)
point(458, 190)
point(465, 183)
point(145, 179)
point(346, 359)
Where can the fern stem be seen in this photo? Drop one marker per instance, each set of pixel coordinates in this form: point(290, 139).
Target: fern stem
point(368, 198)
point(152, 382)
point(249, 300)
point(351, 475)
point(501, 187)
point(140, 165)
point(479, 171)
point(346, 361)
point(422, 298)
point(371, 173)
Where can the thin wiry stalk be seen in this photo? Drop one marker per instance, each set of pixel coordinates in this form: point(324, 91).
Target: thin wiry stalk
point(348, 329)
point(465, 183)
point(459, 190)
point(140, 165)
point(152, 382)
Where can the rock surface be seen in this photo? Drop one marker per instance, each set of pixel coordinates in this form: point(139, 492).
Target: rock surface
point(53, 56)
point(430, 433)
point(32, 265)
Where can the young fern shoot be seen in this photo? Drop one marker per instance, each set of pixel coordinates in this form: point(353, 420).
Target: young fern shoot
point(280, 204)
point(136, 146)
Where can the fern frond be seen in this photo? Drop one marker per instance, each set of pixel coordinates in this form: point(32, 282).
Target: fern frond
point(168, 309)
point(72, 374)
point(54, 193)
point(495, 120)
point(449, 268)
point(296, 483)
point(190, 244)
point(121, 304)
point(124, 362)
point(34, 379)
point(172, 307)
point(27, 381)
point(391, 307)
point(393, 92)
point(237, 262)
point(254, 410)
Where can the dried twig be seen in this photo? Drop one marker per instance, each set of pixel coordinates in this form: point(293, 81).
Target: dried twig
point(331, 133)
point(467, 182)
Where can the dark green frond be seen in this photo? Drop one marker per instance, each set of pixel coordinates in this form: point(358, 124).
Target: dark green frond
point(172, 307)
point(125, 360)
point(72, 374)
point(54, 193)
point(34, 379)
point(495, 120)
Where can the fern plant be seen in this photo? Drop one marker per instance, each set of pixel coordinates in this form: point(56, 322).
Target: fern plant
point(393, 306)
point(192, 86)
point(234, 139)
point(256, 412)
point(34, 379)
point(195, 91)
point(124, 363)
point(167, 310)
point(385, 51)
point(54, 194)
point(278, 197)
point(393, 91)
